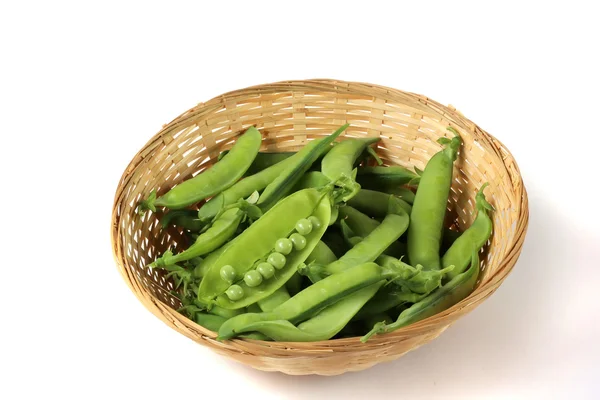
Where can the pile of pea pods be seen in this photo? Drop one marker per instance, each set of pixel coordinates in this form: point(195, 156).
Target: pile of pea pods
point(318, 244)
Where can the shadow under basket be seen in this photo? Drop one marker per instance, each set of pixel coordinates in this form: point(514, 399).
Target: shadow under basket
point(289, 114)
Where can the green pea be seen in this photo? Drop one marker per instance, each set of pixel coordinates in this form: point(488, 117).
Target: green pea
point(284, 246)
point(227, 273)
point(235, 292)
point(304, 226)
point(277, 260)
point(316, 224)
point(253, 278)
point(266, 270)
point(298, 241)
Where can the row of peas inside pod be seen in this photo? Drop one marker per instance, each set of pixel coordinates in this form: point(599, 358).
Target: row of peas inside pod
point(318, 244)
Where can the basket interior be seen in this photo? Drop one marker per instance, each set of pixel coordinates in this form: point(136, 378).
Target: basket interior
point(288, 117)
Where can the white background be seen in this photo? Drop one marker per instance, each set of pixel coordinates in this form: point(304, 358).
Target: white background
point(83, 86)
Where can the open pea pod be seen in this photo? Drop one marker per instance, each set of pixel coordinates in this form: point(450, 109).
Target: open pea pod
point(228, 283)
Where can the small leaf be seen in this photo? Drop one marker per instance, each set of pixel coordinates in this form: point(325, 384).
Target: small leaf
point(444, 141)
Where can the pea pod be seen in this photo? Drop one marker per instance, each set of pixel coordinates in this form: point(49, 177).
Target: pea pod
point(214, 180)
point(257, 242)
point(247, 186)
point(404, 193)
point(271, 302)
point(284, 183)
point(186, 219)
point(321, 254)
point(443, 298)
point(220, 231)
point(389, 297)
point(311, 179)
point(373, 245)
point(380, 177)
point(472, 239)
point(209, 321)
point(376, 204)
point(361, 224)
point(314, 298)
point(254, 293)
point(324, 325)
point(429, 208)
point(338, 164)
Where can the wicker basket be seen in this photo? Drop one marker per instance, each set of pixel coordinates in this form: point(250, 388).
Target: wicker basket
point(289, 114)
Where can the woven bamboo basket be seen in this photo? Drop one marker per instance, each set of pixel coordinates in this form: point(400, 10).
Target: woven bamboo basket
point(289, 114)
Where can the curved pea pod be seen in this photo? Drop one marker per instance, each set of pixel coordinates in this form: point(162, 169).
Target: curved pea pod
point(471, 239)
point(314, 298)
point(257, 242)
point(380, 177)
point(377, 204)
point(220, 231)
point(321, 254)
point(387, 298)
point(265, 160)
point(361, 224)
point(324, 325)
point(338, 164)
point(311, 179)
point(443, 298)
point(209, 321)
point(403, 193)
point(373, 245)
point(273, 301)
point(429, 208)
point(284, 183)
point(248, 185)
point(449, 236)
point(283, 275)
point(186, 219)
point(215, 179)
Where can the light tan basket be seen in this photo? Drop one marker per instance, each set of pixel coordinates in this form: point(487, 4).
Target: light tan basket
point(289, 114)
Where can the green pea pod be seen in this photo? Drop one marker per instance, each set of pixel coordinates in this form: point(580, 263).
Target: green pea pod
point(387, 298)
point(219, 177)
point(443, 298)
point(273, 301)
point(379, 177)
point(373, 245)
point(361, 224)
point(292, 261)
point(324, 325)
point(186, 219)
point(376, 204)
point(265, 160)
point(321, 254)
point(258, 240)
point(249, 185)
point(404, 193)
point(313, 299)
point(284, 183)
point(429, 208)
point(220, 231)
point(209, 321)
point(311, 179)
point(449, 236)
point(472, 239)
point(338, 164)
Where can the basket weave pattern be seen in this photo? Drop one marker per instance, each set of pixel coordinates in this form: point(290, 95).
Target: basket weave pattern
point(289, 114)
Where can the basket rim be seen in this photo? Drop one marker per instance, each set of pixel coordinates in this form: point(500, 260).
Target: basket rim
point(190, 329)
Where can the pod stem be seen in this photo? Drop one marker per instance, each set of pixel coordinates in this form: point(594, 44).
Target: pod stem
point(481, 204)
point(147, 204)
